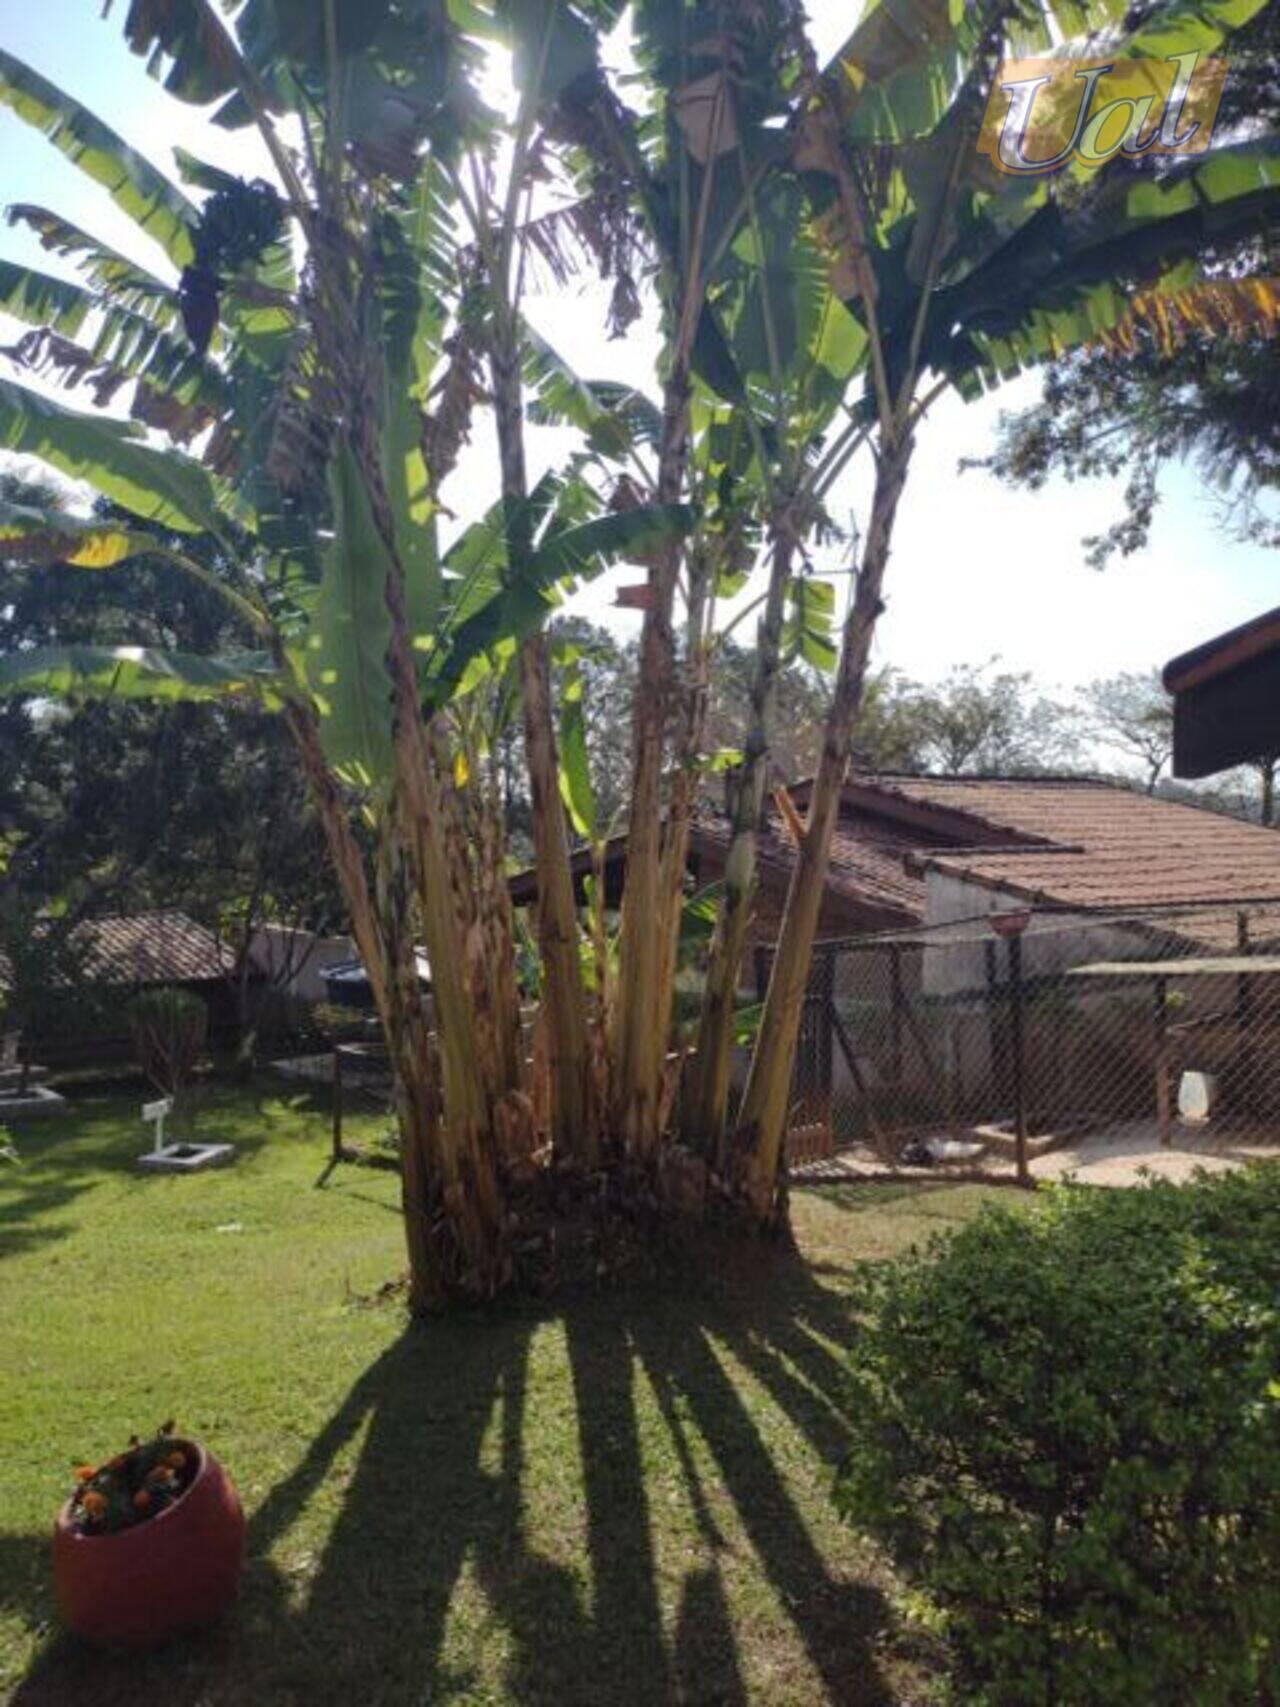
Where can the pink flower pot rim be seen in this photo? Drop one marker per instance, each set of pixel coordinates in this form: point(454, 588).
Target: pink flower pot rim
point(203, 1465)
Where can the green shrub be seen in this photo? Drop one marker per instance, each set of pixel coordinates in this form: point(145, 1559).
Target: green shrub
point(1067, 1430)
point(170, 1028)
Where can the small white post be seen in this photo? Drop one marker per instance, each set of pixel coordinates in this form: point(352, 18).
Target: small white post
point(157, 1112)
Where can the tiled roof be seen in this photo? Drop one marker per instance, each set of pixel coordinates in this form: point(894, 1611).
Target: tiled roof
point(150, 948)
point(1067, 842)
point(866, 868)
point(877, 869)
point(147, 948)
point(1117, 848)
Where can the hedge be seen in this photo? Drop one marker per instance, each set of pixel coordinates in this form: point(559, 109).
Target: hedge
point(1067, 1431)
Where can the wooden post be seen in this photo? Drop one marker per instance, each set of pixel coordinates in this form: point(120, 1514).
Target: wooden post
point(1019, 1074)
point(1164, 1108)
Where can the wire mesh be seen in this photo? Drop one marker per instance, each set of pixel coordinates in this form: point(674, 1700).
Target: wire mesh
point(1160, 1020)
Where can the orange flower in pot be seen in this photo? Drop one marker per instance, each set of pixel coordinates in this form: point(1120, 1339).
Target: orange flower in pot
point(149, 1545)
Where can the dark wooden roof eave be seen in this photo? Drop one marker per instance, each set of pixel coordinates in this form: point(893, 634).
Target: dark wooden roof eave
point(1226, 699)
point(1224, 652)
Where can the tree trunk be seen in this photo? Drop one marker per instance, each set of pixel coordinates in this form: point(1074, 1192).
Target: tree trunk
point(456, 1198)
point(1267, 804)
point(493, 933)
point(573, 1128)
point(646, 953)
point(757, 1143)
point(707, 1106)
point(564, 1002)
point(470, 1223)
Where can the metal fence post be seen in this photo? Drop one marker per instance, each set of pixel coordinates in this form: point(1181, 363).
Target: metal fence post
point(895, 1032)
point(1019, 1064)
point(1244, 1016)
point(337, 1102)
point(1164, 1108)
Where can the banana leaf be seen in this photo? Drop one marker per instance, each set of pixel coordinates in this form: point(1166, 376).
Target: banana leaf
point(344, 652)
point(137, 672)
point(29, 534)
point(163, 487)
point(156, 205)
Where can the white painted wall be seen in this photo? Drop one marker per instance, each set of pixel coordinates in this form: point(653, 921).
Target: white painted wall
point(1053, 942)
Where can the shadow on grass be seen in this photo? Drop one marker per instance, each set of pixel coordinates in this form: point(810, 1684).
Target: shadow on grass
point(440, 1489)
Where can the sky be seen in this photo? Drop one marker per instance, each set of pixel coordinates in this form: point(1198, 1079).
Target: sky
point(978, 570)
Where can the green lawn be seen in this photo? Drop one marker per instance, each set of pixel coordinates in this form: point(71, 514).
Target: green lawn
point(621, 1501)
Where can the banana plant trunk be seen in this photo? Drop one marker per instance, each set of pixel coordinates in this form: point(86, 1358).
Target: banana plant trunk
point(707, 1105)
point(643, 1011)
point(416, 1092)
point(475, 848)
point(757, 1143)
point(692, 722)
point(574, 1128)
point(465, 1157)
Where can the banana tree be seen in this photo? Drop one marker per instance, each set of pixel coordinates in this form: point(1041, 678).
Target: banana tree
point(313, 345)
point(681, 170)
point(830, 252)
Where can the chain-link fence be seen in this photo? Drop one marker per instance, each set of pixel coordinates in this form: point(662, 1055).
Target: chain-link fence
point(1035, 1029)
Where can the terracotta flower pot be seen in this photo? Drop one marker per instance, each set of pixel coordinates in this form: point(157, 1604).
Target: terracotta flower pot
point(175, 1572)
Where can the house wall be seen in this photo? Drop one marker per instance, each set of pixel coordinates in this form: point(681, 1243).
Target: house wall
point(294, 959)
point(1052, 943)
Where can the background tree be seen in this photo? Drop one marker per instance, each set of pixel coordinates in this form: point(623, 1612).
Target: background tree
point(43, 993)
point(799, 700)
point(169, 1028)
point(131, 806)
point(983, 719)
point(1133, 715)
point(1182, 392)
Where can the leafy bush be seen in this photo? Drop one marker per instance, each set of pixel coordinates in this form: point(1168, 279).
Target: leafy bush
point(46, 997)
point(1067, 1430)
point(170, 1027)
point(337, 1024)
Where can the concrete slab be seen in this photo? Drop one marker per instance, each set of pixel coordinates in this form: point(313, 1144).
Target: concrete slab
point(34, 1103)
point(186, 1158)
point(1121, 1155)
